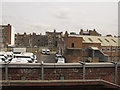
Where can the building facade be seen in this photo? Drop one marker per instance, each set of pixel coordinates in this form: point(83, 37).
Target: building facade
point(7, 35)
point(89, 32)
point(30, 40)
point(90, 48)
point(53, 38)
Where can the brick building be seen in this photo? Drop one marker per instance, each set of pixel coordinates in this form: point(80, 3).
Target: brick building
point(90, 48)
point(6, 35)
point(30, 40)
point(53, 38)
point(89, 32)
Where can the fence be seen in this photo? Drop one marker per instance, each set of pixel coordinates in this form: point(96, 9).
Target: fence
point(86, 71)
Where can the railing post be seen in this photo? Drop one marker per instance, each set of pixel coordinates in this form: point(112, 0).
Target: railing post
point(42, 70)
point(6, 71)
point(115, 80)
point(115, 72)
point(83, 64)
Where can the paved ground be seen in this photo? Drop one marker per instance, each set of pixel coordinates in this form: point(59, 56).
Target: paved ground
point(46, 58)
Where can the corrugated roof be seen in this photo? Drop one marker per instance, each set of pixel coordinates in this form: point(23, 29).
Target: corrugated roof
point(105, 41)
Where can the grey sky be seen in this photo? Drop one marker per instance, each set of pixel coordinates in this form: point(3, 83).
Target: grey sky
point(44, 16)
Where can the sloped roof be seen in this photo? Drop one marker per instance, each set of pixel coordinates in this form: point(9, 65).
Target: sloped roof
point(105, 41)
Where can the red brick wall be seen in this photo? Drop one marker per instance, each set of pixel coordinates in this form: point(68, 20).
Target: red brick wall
point(87, 45)
point(76, 40)
point(105, 73)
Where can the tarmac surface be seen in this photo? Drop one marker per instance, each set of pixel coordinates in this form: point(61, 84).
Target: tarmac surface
point(46, 58)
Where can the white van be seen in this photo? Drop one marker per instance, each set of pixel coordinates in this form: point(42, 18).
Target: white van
point(21, 59)
point(58, 56)
point(61, 60)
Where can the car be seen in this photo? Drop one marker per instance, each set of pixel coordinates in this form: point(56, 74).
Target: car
point(61, 60)
point(47, 51)
point(43, 51)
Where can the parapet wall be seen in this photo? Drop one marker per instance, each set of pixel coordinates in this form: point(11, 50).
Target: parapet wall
point(67, 71)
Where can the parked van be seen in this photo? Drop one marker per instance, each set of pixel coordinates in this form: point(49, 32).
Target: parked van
point(57, 56)
point(61, 60)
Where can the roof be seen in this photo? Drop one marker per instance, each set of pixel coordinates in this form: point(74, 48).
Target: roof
point(105, 41)
point(94, 48)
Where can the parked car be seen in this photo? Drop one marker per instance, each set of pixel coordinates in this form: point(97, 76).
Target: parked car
point(47, 51)
point(43, 51)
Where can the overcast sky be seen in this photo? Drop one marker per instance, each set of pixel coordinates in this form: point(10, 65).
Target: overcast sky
point(40, 17)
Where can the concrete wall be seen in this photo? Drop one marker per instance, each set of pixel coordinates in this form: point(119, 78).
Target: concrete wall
point(105, 71)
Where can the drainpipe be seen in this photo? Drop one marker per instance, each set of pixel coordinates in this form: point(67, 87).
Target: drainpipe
point(93, 53)
point(42, 70)
point(115, 63)
point(83, 64)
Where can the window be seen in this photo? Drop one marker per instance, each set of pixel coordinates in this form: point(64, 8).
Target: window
point(113, 49)
point(103, 49)
point(3, 27)
point(72, 44)
point(100, 40)
point(90, 39)
point(118, 49)
point(106, 40)
point(3, 37)
point(113, 40)
point(108, 49)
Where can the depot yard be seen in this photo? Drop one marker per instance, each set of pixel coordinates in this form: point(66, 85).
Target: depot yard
point(46, 58)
